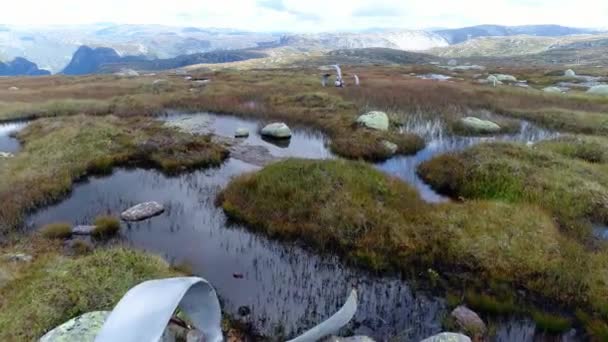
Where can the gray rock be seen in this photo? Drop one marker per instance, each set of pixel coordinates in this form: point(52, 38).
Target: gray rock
point(599, 90)
point(200, 83)
point(448, 337)
point(452, 62)
point(83, 230)
point(160, 82)
point(552, 90)
point(493, 80)
point(83, 328)
point(18, 257)
point(389, 146)
point(241, 133)
point(469, 321)
point(13, 88)
point(277, 130)
point(374, 120)
point(6, 155)
point(569, 73)
point(479, 126)
point(142, 211)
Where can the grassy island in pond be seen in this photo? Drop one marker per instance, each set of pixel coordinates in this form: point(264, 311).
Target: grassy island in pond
point(381, 223)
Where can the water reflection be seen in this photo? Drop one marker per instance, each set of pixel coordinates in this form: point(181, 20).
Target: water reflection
point(8, 143)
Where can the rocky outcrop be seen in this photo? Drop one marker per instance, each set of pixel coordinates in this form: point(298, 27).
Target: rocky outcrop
point(83, 328)
point(142, 211)
point(448, 337)
point(479, 126)
point(392, 148)
point(375, 120)
point(599, 90)
point(468, 321)
point(277, 130)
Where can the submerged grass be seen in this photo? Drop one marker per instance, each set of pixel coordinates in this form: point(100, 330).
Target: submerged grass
point(54, 288)
point(381, 223)
point(58, 151)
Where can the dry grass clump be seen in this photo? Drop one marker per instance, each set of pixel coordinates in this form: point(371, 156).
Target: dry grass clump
point(106, 226)
point(56, 231)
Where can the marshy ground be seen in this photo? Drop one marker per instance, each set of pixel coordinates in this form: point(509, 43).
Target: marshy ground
point(517, 236)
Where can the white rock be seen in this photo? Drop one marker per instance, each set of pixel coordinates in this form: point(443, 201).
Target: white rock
point(552, 90)
point(506, 78)
point(569, 73)
point(241, 133)
point(142, 211)
point(448, 337)
point(374, 120)
point(599, 90)
point(452, 62)
point(83, 328)
point(493, 80)
point(277, 130)
point(6, 155)
point(83, 230)
point(389, 146)
point(13, 88)
point(18, 257)
point(479, 126)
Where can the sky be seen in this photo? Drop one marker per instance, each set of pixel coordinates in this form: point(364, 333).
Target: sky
point(309, 15)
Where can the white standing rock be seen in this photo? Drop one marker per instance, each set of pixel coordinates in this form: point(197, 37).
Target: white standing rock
point(375, 120)
point(569, 73)
point(599, 90)
point(142, 211)
point(277, 130)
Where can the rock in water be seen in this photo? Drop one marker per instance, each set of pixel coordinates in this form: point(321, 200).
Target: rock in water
point(241, 133)
point(569, 73)
point(552, 90)
point(350, 339)
point(479, 126)
point(447, 337)
point(469, 321)
point(374, 120)
point(83, 230)
point(82, 328)
point(506, 78)
point(389, 146)
point(277, 130)
point(142, 211)
point(493, 80)
point(599, 90)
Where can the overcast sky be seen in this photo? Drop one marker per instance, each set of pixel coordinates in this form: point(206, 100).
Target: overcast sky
point(309, 15)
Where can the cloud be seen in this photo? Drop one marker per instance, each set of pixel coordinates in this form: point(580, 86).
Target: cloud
point(309, 15)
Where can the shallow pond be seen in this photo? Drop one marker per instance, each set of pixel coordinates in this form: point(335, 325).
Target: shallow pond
point(7, 142)
point(287, 287)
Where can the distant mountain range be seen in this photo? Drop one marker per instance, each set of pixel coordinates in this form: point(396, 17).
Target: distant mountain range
point(21, 67)
point(459, 35)
point(88, 60)
point(104, 47)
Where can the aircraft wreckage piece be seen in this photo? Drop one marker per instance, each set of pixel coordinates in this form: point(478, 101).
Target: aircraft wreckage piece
point(145, 310)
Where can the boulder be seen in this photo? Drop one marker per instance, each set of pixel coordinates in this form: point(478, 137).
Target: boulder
point(506, 78)
point(389, 146)
point(479, 126)
point(83, 328)
point(142, 211)
point(374, 120)
point(569, 73)
point(13, 88)
point(241, 133)
point(6, 155)
point(452, 62)
point(493, 80)
point(468, 321)
point(599, 90)
point(552, 90)
point(277, 130)
point(83, 230)
point(448, 337)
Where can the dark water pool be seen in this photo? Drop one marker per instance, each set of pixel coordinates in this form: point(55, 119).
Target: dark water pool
point(287, 288)
point(8, 143)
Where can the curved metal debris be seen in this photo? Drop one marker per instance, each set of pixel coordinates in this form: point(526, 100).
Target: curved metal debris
point(332, 324)
point(145, 310)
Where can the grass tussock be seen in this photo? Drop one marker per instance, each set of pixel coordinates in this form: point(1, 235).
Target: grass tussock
point(554, 175)
point(56, 231)
point(106, 226)
point(58, 151)
point(53, 288)
point(381, 223)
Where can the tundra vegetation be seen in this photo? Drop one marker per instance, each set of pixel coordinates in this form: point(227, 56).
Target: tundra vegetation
point(523, 222)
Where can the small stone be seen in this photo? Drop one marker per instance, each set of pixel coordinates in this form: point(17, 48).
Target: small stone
point(569, 73)
point(241, 133)
point(552, 90)
point(390, 147)
point(83, 230)
point(18, 257)
point(469, 321)
point(13, 88)
point(142, 211)
point(599, 90)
